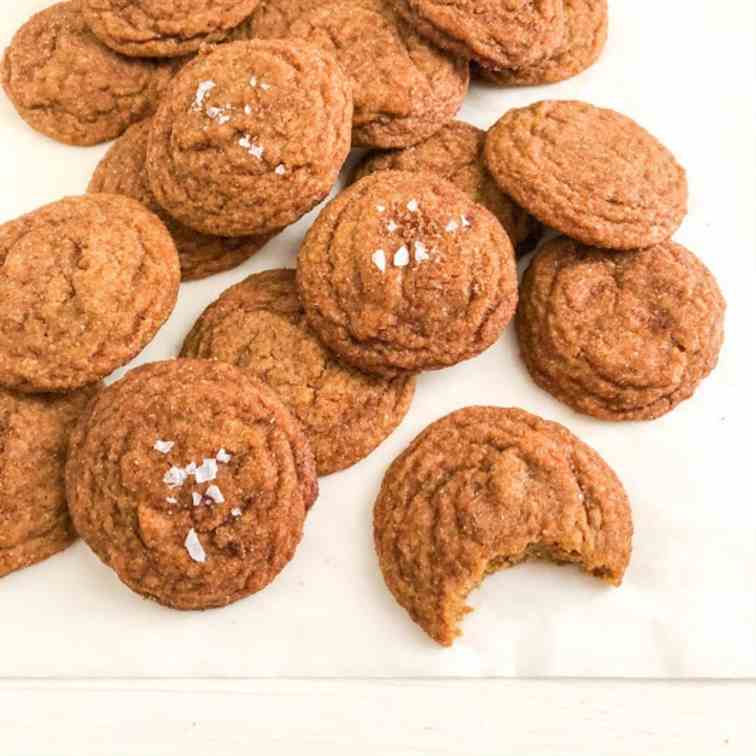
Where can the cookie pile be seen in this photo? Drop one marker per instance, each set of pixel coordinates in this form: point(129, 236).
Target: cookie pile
point(192, 478)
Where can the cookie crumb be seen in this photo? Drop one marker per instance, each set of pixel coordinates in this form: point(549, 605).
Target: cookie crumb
point(194, 547)
point(379, 260)
point(401, 258)
point(214, 493)
point(163, 446)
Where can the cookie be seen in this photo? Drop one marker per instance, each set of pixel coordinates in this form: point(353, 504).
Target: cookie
point(259, 326)
point(191, 480)
point(167, 29)
point(620, 337)
point(85, 283)
point(250, 136)
point(409, 89)
point(34, 431)
point(122, 171)
point(455, 152)
point(486, 488)
point(403, 272)
point(66, 84)
point(494, 33)
point(593, 174)
point(586, 27)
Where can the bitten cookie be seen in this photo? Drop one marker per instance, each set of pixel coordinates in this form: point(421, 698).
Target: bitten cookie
point(593, 174)
point(455, 152)
point(250, 136)
point(164, 29)
point(34, 431)
point(404, 87)
point(259, 326)
point(620, 337)
point(586, 27)
point(486, 488)
point(66, 84)
point(85, 283)
point(403, 272)
point(191, 480)
point(494, 33)
point(122, 171)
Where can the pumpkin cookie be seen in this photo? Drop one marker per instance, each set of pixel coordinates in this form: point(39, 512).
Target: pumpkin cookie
point(587, 23)
point(259, 326)
point(85, 283)
point(122, 171)
point(34, 430)
point(593, 174)
point(170, 28)
point(486, 488)
point(408, 90)
point(250, 136)
point(66, 84)
point(455, 152)
point(620, 337)
point(494, 33)
point(191, 480)
point(403, 272)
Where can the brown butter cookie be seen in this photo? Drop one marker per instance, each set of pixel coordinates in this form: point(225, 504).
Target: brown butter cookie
point(191, 480)
point(122, 171)
point(66, 84)
point(259, 326)
point(494, 33)
point(402, 272)
point(620, 337)
point(455, 152)
point(85, 283)
point(34, 431)
point(591, 173)
point(486, 488)
point(166, 28)
point(250, 136)
point(586, 28)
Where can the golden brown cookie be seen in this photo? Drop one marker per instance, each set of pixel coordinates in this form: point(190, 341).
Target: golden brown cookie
point(403, 272)
point(34, 431)
point(586, 27)
point(486, 488)
point(250, 136)
point(404, 87)
point(163, 28)
point(593, 174)
point(191, 480)
point(495, 33)
point(455, 152)
point(259, 326)
point(66, 84)
point(620, 337)
point(122, 171)
point(85, 283)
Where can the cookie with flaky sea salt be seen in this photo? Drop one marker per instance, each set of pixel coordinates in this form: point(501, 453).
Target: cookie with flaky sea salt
point(66, 84)
point(164, 29)
point(85, 284)
point(486, 488)
point(34, 431)
point(591, 173)
point(403, 272)
point(191, 480)
point(455, 152)
point(250, 136)
point(620, 337)
point(587, 24)
point(259, 326)
point(122, 171)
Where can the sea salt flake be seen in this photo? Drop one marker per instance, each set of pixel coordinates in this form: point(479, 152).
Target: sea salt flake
point(391, 226)
point(190, 468)
point(171, 500)
point(465, 222)
point(163, 446)
point(252, 148)
point(380, 208)
point(253, 82)
point(379, 260)
point(412, 206)
point(196, 499)
point(214, 493)
point(401, 258)
point(223, 456)
point(265, 87)
point(194, 547)
point(207, 471)
point(421, 252)
point(202, 91)
point(236, 512)
point(281, 169)
point(248, 110)
point(175, 477)
point(219, 115)
point(452, 226)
